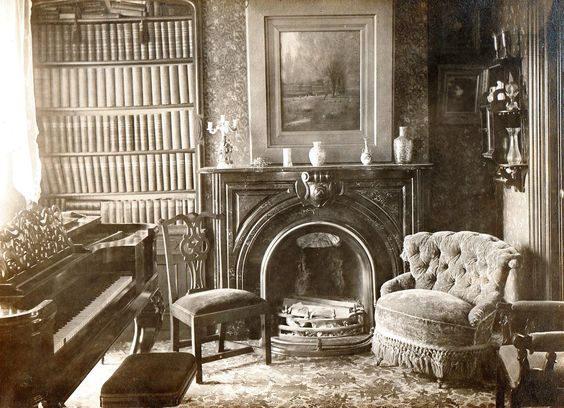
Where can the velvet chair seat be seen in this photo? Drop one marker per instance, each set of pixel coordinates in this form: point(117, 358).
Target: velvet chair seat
point(216, 300)
point(537, 361)
point(149, 380)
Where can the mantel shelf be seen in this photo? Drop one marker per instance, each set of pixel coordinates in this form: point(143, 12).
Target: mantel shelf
point(512, 175)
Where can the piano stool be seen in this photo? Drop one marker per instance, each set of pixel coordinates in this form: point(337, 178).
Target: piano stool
point(149, 380)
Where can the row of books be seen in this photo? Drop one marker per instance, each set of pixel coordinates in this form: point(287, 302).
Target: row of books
point(100, 87)
point(109, 41)
point(118, 174)
point(150, 211)
point(122, 133)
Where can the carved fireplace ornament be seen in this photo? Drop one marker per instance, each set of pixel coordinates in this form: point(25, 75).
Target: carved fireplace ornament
point(318, 189)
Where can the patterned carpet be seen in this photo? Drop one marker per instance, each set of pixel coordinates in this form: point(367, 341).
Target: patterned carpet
point(347, 381)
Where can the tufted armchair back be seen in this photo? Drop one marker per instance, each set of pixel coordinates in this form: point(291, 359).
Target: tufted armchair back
point(468, 265)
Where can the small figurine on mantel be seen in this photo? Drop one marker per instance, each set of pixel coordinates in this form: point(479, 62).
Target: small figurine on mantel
point(225, 148)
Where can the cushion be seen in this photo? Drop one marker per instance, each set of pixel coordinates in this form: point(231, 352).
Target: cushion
point(508, 356)
point(149, 379)
point(216, 300)
point(426, 316)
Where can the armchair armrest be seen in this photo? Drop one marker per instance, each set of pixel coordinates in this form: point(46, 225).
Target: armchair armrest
point(483, 309)
point(540, 341)
point(400, 282)
point(537, 306)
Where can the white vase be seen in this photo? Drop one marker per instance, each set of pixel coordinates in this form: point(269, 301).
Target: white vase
point(317, 154)
point(403, 147)
point(366, 155)
point(513, 153)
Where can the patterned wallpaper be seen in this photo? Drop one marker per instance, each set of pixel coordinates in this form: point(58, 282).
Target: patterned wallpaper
point(225, 73)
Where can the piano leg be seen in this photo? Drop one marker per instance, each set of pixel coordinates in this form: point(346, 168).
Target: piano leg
point(148, 324)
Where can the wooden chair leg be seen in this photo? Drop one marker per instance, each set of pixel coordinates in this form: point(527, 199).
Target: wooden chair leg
point(221, 342)
point(500, 387)
point(175, 333)
point(265, 326)
point(197, 351)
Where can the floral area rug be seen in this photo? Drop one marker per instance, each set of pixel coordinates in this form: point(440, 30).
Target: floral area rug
point(345, 381)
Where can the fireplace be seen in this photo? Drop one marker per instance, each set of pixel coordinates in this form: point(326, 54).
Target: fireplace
point(317, 243)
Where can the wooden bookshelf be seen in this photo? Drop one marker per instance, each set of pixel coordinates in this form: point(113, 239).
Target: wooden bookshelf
point(118, 105)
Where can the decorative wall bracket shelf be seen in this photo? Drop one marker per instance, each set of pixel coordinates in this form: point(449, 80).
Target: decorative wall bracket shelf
point(512, 175)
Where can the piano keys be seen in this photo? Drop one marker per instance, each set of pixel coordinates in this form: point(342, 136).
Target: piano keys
point(69, 286)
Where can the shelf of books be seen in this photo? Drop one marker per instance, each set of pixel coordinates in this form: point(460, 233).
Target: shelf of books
point(116, 94)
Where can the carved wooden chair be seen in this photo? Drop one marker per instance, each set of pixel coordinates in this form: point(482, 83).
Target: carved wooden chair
point(532, 364)
point(186, 248)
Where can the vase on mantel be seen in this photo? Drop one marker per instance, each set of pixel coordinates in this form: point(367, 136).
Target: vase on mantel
point(403, 147)
point(513, 154)
point(317, 154)
point(366, 155)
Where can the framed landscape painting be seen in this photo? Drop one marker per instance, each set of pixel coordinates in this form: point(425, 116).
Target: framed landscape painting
point(325, 79)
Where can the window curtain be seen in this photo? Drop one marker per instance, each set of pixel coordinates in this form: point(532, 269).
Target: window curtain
point(18, 127)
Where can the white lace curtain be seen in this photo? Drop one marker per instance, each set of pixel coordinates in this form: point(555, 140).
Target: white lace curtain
point(18, 127)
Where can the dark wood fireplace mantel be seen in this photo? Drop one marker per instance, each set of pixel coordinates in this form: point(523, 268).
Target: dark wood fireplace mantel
point(371, 208)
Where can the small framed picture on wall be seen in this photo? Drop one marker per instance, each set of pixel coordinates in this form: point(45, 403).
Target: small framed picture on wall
point(459, 94)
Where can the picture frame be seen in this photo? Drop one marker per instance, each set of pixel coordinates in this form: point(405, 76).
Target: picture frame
point(459, 94)
point(294, 100)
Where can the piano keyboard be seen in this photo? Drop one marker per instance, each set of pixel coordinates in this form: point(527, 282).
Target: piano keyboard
point(78, 322)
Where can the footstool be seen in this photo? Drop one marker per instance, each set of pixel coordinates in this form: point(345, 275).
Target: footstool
point(149, 380)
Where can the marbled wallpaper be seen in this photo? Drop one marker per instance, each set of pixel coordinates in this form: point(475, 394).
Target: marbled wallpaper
point(225, 73)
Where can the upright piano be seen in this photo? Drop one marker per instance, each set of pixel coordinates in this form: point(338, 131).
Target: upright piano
point(69, 286)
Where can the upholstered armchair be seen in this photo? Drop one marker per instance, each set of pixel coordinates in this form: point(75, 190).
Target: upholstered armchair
point(437, 318)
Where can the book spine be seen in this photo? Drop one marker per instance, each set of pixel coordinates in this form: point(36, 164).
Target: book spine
point(165, 85)
point(65, 89)
point(84, 135)
point(158, 132)
point(193, 130)
point(155, 214)
point(105, 175)
point(150, 132)
point(100, 87)
point(184, 38)
point(55, 88)
point(113, 124)
point(159, 173)
point(119, 212)
point(137, 86)
point(120, 175)
point(149, 211)
point(129, 143)
point(127, 169)
point(172, 171)
point(164, 40)
point(82, 88)
point(135, 173)
point(112, 174)
point(128, 41)
point(106, 48)
point(180, 171)
point(51, 40)
point(43, 45)
point(134, 211)
point(142, 211)
point(178, 39)
point(119, 86)
point(67, 51)
point(82, 174)
point(113, 42)
point(136, 42)
point(155, 85)
point(59, 43)
point(147, 90)
point(143, 132)
point(75, 175)
point(59, 183)
point(127, 86)
point(188, 170)
point(171, 38)
point(120, 41)
point(110, 87)
point(175, 129)
point(166, 172)
point(171, 208)
point(91, 132)
point(151, 43)
point(98, 42)
point(91, 87)
point(73, 85)
point(64, 135)
point(90, 42)
point(48, 182)
point(121, 134)
point(143, 172)
point(67, 174)
point(136, 133)
point(164, 209)
point(179, 206)
point(167, 134)
point(191, 83)
point(112, 212)
point(106, 147)
point(151, 173)
point(75, 140)
point(158, 41)
point(83, 46)
point(183, 84)
point(46, 87)
point(184, 129)
point(99, 134)
point(89, 173)
point(97, 174)
point(144, 46)
point(174, 87)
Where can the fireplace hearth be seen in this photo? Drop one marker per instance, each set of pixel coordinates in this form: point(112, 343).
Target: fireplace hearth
point(317, 243)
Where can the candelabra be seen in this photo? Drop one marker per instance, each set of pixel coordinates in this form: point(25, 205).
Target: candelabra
point(225, 148)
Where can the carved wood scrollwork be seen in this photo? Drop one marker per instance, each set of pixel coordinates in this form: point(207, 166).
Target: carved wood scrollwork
point(34, 235)
point(318, 189)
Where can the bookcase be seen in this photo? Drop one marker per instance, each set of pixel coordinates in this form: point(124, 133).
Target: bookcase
point(118, 103)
